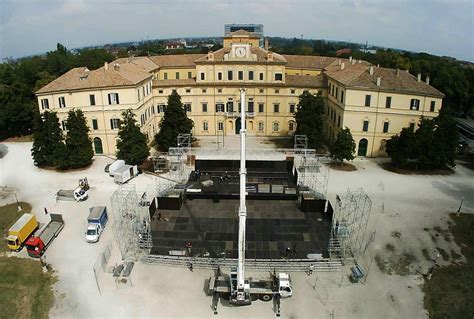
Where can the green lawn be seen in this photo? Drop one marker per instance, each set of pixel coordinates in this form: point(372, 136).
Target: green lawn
point(450, 292)
point(25, 291)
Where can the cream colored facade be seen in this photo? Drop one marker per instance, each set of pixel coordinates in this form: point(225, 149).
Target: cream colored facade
point(209, 88)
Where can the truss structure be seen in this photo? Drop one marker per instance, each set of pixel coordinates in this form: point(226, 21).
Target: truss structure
point(349, 224)
point(301, 143)
point(131, 226)
point(312, 173)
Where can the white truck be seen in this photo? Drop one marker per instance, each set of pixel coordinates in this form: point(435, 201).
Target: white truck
point(79, 194)
point(236, 288)
point(125, 173)
point(115, 166)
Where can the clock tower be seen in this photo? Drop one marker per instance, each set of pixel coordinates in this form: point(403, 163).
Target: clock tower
point(240, 51)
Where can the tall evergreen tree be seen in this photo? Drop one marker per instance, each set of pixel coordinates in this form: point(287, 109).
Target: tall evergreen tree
point(174, 122)
point(47, 138)
point(132, 145)
point(309, 118)
point(402, 147)
point(446, 139)
point(78, 143)
point(344, 146)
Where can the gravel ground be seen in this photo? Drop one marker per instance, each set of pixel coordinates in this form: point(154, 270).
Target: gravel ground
point(415, 209)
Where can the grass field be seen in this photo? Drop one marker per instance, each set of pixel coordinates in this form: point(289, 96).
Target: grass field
point(25, 291)
point(450, 292)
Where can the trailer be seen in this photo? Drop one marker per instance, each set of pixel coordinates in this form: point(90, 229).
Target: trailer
point(37, 244)
point(21, 231)
point(125, 173)
point(96, 223)
point(77, 195)
point(235, 287)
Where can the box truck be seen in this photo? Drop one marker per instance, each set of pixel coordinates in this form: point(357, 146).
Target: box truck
point(115, 166)
point(21, 231)
point(37, 244)
point(96, 223)
point(125, 173)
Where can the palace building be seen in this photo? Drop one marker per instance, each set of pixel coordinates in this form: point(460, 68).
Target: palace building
point(375, 103)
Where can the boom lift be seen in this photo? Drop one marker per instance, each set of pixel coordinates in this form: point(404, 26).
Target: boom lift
point(238, 290)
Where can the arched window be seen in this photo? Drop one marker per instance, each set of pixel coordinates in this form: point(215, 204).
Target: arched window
point(362, 150)
point(291, 126)
point(276, 126)
point(261, 126)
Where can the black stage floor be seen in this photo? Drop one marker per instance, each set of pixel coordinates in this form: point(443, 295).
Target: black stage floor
point(272, 226)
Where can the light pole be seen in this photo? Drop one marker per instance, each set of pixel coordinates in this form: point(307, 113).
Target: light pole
point(460, 206)
point(18, 205)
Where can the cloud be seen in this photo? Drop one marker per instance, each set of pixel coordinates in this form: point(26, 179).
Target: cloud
point(440, 27)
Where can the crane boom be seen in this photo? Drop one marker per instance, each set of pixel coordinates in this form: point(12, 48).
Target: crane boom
point(242, 206)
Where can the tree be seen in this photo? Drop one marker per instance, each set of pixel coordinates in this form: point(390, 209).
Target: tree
point(132, 145)
point(46, 139)
point(174, 122)
point(309, 118)
point(78, 143)
point(446, 139)
point(344, 146)
point(401, 147)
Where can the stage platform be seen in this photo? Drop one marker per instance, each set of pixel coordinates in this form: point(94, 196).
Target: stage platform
point(212, 228)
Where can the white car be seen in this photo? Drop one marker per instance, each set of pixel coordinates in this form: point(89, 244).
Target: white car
point(93, 233)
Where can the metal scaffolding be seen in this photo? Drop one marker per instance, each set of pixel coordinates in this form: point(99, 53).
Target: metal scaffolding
point(301, 143)
point(349, 224)
point(131, 225)
point(313, 174)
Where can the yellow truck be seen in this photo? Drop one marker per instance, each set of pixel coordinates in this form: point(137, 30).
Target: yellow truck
point(23, 228)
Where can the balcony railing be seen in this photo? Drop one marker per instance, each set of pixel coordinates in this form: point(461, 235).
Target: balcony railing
point(237, 114)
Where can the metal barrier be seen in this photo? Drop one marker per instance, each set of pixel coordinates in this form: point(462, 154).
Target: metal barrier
point(251, 264)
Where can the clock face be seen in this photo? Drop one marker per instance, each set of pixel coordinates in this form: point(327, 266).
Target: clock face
point(240, 52)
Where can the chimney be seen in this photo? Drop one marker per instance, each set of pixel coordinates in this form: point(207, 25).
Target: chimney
point(428, 79)
point(338, 61)
point(210, 56)
point(398, 72)
point(116, 66)
point(342, 66)
point(106, 66)
point(350, 59)
point(378, 80)
point(371, 70)
point(419, 77)
point(266, 44)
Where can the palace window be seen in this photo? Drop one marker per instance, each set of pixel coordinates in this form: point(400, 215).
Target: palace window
point(177, 75)
point(414, 104)
point(114, 123)
point(190, 75)
point(63, 125)
point(165, 76)
point(261, 90)
point(62, 102)
point(187, 107)
point(230, 75)
point(161, 108)
point(276, 108)
point(261, 126)
point(388, 102)
point(95, 125)
point(342, 96)
point(219, 107)
point(44, 104)
point(385, 127)
point(113, 98)
point(188, 90)
point(204, 107)
point(365, 126)
point(241, 75)
point(368, 97)
point(92, 99)
point(220, 126)
point(278, 77)
point(219, 90)
point(204, 90)
point(205, 126)
point(250, 75)
point(219, 76)
point(250, 106)
point(293, 91)
point(277, 91)
point(432, 106)
point(261, 76)
point(203, 76)
point(276, 126)
point(261, 107)
point(292, 108)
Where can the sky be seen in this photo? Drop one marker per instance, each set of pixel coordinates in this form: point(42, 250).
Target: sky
point(441, 27)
